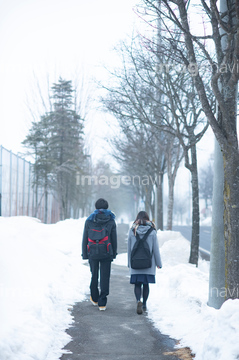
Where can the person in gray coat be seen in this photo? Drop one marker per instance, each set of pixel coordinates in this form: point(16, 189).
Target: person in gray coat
point(142, 277)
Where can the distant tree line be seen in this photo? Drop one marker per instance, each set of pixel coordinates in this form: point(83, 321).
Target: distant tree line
point(57, 144)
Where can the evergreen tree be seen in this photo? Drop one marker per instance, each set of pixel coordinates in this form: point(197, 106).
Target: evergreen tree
point(67, 144)
point(38, 140)
point(56, 142)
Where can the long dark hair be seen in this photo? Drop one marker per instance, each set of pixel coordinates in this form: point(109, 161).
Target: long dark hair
point(142, 217)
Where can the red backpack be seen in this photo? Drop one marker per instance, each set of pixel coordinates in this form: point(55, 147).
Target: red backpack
point(99, 245)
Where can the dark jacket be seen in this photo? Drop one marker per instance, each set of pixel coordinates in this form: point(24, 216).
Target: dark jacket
point(103, 217)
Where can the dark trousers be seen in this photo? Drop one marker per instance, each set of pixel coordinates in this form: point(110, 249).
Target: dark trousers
point(104, 268)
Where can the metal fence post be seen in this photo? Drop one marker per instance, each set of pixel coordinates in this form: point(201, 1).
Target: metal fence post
point(13, 181)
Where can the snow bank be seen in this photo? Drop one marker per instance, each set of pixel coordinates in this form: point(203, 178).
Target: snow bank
point(121, 260)
point(206, 222)
point(222, 342)
point(41, 275)
point(178, 304)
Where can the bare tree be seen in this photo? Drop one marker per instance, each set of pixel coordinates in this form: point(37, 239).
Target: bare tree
point(176, 113)
point(138, 153)
point(135, 102)
point(187, 123)
point(224, 79)
point(174, 156)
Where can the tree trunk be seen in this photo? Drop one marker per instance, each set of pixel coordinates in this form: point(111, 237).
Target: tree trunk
point(160, 202)
point(231, 193)
point(45, 205)
point(45, 200)
point(217, 254)
point(173, 161)
point(36, 201)
point(152, 209)
point(147, 199)
point(170, 202)
point(231, 225)
point(170, 188)
point(61, 201)
point(193, 259)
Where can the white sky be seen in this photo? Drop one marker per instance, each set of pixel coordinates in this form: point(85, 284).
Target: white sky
point(65, 38)
point(55, 38)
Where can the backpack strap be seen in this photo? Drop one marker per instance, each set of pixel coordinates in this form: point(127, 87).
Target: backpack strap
point(145, 235)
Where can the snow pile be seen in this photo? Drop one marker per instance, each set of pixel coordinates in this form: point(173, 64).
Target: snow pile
point(178, 304)
point(222, 342)
point(121, 259)
point(41, 275)
point(206, 222)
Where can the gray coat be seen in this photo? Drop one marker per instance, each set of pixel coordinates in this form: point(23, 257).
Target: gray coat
point(154, 248)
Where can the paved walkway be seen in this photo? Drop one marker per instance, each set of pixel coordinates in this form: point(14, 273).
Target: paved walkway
point(118, 333)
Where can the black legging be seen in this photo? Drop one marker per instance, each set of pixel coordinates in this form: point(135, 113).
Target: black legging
point(137, 292)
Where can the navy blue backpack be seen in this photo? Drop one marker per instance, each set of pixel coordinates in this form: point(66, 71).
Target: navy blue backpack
point(141, 257)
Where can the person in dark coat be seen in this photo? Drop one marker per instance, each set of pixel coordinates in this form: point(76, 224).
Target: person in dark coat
point(104, 218)
point(142, 277)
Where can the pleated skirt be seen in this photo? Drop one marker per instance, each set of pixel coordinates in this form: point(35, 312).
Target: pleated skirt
point(142, 279)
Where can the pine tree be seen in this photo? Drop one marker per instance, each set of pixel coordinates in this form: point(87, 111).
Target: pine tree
point(39, 141)
point(56, 142)
point(67, 144)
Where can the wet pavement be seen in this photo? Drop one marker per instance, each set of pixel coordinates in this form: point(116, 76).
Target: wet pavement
point(118, 333)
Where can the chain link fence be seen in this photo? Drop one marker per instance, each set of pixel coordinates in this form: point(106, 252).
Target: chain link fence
point(19, 196)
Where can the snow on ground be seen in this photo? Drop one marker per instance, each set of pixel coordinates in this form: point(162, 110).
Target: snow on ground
point(178, 304)
point(42, 275)
point(206, 222)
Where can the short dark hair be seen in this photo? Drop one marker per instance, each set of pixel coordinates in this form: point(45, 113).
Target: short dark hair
point(101, 204)
point(142, 216)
